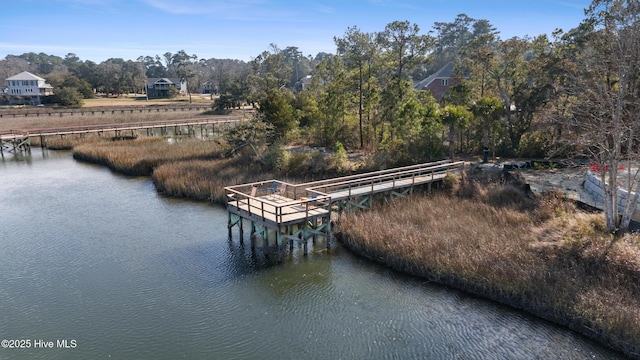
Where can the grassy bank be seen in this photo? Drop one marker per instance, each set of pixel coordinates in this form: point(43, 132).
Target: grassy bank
point(141, 100)
point(141, 156)
point(187, 168)
point(204, 180)
point(538, 254)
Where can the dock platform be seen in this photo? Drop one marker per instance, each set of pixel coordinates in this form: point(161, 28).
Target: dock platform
point(299, 212)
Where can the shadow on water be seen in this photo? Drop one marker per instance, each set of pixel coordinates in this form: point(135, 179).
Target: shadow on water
point(218, 263)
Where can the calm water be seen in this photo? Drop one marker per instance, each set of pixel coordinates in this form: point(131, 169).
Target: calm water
point(102, 261)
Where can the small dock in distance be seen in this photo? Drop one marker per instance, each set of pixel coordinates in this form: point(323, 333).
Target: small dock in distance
point(14, 141)
point(299, 212)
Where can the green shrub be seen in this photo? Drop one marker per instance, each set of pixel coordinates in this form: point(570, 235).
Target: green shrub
point(276, 157)
point(339, 157)
point(69, 97)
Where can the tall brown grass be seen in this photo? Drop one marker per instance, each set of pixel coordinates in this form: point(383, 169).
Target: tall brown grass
point(141, 156)
point(539, 254)
point(204, 180)
point(189, 168)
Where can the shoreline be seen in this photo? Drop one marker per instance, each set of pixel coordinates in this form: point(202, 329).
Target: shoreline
point(473, 289)
point(489, 291)
point(540, 285)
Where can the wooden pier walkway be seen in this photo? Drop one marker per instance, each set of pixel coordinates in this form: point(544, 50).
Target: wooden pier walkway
point(19, 139)
point(299, 212)
point(101, 110)
point(14, 141)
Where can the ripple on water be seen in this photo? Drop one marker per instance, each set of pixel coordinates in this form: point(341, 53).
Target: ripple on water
point(133, 275)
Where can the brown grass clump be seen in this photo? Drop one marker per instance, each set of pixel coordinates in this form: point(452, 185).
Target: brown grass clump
point(204, 179)
point(188, 168)
point(140, 156)
point(495, 239)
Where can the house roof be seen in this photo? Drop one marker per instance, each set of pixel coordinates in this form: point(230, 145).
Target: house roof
point(444, 73)
point(25, 75)
point(152, 81)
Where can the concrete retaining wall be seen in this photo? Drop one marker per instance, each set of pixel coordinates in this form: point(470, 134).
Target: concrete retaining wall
point(593, 185)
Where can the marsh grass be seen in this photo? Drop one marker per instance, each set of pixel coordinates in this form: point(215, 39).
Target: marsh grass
point(539, 254)
point(188, 168)
point(204, 180)
point(141, 156)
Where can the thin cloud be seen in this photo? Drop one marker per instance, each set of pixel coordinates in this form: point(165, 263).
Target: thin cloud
point(88, 2)
point(194, 7)
point(239, 10)
point(324, 9)
point(574, 5)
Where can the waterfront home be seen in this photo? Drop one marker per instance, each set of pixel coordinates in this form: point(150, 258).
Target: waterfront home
point(161, 87)
point(26, 88)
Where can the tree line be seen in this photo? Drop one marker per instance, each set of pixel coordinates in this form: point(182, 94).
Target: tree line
point(575, 93)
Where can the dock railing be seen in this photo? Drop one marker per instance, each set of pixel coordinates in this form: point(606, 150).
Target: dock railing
point(274, 201)
point(386, 180)
point(280, 202)
point(83, 129)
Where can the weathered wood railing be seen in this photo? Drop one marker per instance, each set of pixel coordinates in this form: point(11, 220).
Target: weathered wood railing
point(269, 201)
point(84, 129)
point(44, 111)
point(385, 180)
point(298, 212)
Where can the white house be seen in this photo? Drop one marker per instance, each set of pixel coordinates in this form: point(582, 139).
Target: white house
point(159, 87)
point(27, 88)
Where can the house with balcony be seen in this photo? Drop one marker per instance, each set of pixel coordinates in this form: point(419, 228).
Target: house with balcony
point(26, 88)
point(161, 87)
point(208, 88)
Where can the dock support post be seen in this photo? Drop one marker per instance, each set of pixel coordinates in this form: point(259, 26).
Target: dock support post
point(279, 244)
point(290, 240)
point(265, 238)
point(303, 233)
point(329, 229)
point(252, 236)
point(314, 225)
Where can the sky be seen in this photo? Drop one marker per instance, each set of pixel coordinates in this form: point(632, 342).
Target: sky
point(97, 30)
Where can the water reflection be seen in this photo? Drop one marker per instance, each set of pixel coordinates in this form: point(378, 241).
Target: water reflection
point(101, 258)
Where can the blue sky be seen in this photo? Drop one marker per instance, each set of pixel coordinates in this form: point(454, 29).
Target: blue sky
point(97, 30)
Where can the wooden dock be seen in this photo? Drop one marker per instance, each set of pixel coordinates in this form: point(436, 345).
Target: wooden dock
point(19, 139)
point(14, 141)
point(101, 110)
point(299, 212)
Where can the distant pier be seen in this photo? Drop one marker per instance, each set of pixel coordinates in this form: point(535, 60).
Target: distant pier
point(19, 140)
